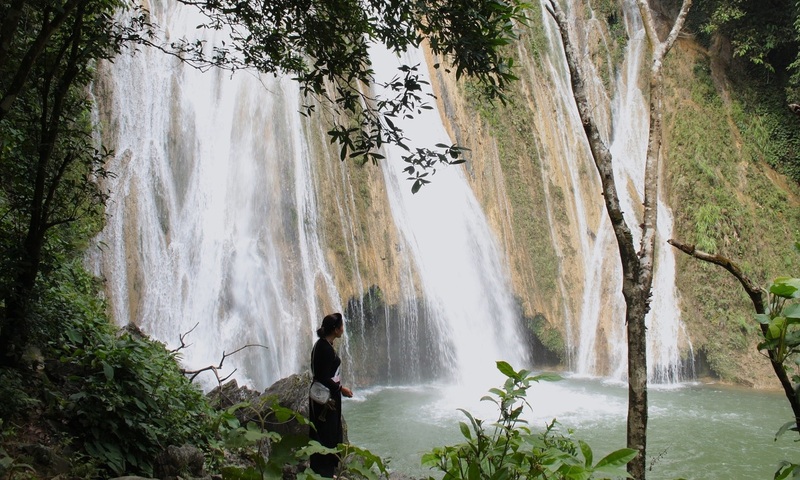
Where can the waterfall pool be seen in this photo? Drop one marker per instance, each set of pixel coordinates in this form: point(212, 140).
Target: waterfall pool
point(695, 431)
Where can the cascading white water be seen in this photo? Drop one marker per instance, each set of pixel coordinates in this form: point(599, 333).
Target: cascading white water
point(626, 125)
point(214, 221)
point(444, 230)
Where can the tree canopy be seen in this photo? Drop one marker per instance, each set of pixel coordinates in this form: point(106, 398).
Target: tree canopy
point(766, 33)
point(325, 46)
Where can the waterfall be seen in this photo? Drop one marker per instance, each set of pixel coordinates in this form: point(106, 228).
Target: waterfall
point(215, 220)
point(212, 217)
point(601, 345)
point(443, 228)
point(229, 211)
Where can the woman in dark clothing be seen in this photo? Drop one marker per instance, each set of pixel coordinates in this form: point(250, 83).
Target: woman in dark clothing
point(327, 419)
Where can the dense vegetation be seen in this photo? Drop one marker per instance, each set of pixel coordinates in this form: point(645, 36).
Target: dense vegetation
point(115, 399)
point(112, 401)
point(764, 43)
point(730, 131)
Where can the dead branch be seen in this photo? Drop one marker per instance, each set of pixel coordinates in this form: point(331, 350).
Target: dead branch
point(753, 290)
point(217, 368)
point(183, 338)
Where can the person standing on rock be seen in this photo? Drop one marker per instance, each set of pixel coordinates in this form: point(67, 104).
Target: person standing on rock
point(327, 419)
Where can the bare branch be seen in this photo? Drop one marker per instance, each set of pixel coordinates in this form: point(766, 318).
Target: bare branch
point(649, 23)
point(752, 289)
point(677, 26)
point(183, 338)
point(217, 368)
point(660, 48)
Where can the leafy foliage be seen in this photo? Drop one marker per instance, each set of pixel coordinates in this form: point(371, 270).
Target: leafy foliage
point(326, 46)
point(781, 338)
point(767, 37)
point(766, 34)
point(49, 160)
point(782, 320)
point(123, 396)
point(509, 449)
point(355, 462)
point(8, 465)
point(14, 395)
point(269, 453)
point(132, 400)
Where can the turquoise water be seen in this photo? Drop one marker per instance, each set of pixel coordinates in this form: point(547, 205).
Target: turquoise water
point(695, 431)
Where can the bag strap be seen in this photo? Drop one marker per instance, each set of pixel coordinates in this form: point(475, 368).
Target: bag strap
point(313, 350)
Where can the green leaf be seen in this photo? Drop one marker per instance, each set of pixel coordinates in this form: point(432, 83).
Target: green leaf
point(506, 369)
point(282, 414)
point(763, 318)
point(497, 392)
point(785, 428)
point(617, 458)
point(785, 287)
point(792, 311)
point(74, 335)
point(785, 469)
point(547, 377)
point(792, 339)
point(465, 430)
point(586, 450)
point(776, 327)
point(108, 370)
point(429, 459)
point(312, 448)
point(253, 435)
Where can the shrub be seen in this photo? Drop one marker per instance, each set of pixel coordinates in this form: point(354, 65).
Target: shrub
point(122, 396)
point(509, 449)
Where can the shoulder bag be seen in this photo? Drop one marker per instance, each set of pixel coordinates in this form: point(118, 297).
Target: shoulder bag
point(318, 392)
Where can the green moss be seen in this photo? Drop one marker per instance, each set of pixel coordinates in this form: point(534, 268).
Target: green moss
point(724, 202)
point(550, 337)
point(509, 126)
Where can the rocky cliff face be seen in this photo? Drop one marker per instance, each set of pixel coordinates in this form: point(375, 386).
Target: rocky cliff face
point(529, 168)
point(724, 197)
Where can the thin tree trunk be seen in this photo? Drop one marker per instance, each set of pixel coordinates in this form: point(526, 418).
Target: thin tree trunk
point(637, 266)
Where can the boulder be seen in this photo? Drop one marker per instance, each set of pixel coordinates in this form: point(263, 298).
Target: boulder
point(292, 393)
point(183, 461)
point(230, 394)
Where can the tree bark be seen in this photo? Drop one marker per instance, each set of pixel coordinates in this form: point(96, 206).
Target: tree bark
point(637, 266)
point(36, 47)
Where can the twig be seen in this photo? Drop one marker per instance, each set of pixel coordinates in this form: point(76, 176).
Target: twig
point(182, 337)
point(216, 368)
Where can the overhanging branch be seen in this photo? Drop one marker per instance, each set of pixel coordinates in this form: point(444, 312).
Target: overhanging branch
point(753, 290)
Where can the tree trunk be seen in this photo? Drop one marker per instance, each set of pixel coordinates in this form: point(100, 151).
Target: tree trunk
point(637, 266)
point(14, 326)
point(638, 304)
